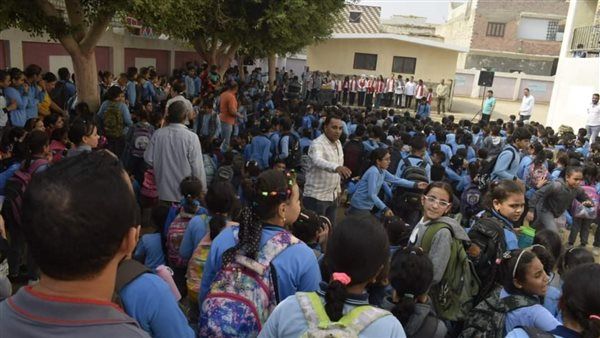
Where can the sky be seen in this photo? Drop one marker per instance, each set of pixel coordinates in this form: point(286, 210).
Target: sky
point(436, 11)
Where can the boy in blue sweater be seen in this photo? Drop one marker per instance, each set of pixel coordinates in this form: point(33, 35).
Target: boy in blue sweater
point(508, 161)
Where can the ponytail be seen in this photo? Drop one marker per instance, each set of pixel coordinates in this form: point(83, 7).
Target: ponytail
point(335, 295)
point(216, 224)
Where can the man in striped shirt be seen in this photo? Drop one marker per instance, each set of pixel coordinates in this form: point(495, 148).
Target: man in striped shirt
point(322, 187)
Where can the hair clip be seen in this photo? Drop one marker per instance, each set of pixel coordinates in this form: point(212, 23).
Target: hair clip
point(341, 277)
point(409, 295)
point(594, 317)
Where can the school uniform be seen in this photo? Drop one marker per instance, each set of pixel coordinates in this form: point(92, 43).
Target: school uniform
point(390, 87)
point(353, 88)
point(366, 195)
point(362, 90)
point(530, 316)
point(150, 249)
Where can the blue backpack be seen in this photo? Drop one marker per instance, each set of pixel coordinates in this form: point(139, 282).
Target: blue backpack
point(242, 295)
point(470, 202)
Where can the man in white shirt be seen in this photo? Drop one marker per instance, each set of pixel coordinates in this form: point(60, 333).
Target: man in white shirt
point(322, 187)
point(389, 91)
point(362, 90)
point(593, 120)
point(399, 93)
point(526, 105)
point(409, 90)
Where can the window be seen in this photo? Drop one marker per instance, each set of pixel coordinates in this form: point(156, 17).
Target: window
point(552, 30)
point(365, 61)
point(403, 64)
point(355, 17)
point(495, 29)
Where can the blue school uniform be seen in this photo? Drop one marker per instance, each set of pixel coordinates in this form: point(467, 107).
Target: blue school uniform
point(530, 316)
point(296, 267)
point(560, 332)
point(366, 195)
point(150, 301)
point(195, 231)
point(18, 117)
point(150, 248)
point(260, 151)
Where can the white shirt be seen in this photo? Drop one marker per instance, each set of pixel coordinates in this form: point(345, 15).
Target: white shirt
point(527, 105)
point(410, 88)
point(593, 112)
point(322, 181)
point(399, 87)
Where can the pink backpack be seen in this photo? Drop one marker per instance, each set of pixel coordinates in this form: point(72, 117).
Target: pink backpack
point(535, 175)
point(579, 211)
point(174, 238)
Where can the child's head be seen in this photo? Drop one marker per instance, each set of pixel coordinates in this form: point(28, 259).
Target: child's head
point(36, 145)
point(580, 300)
point(279, 164)
point(84, 132)
point(275, 199)
point(381, 157)
point(573, 257)
point(550, 240)
point(54, 121)
point(357, 252)
point(411, 274)
point(115, 93)
point(308, 225)
point(507, 198)
point(104, 225)
point(573, 176)
point(191, 189)
point(220, 201)
point(397, 230)
point(548, 261)
point(436, 200)
point(523, 273)
point(60, 134)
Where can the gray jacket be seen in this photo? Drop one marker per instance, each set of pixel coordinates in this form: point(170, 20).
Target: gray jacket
point(420, 322)
point(439, 253)
point(556, 197)
point(28, 315)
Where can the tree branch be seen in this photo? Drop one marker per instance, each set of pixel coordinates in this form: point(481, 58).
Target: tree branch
point(76, 19)
point(95, 32)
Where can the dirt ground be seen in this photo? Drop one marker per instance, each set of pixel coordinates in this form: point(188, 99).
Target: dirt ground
point(466, 108)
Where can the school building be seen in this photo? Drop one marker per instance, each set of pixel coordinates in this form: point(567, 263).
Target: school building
point(360, 44)
point(125, 44)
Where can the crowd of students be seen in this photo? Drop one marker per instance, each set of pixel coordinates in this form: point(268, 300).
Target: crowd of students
point(203, 205)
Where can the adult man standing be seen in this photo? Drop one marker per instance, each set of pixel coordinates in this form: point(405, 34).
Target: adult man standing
point(229, 114)
point(593, 121)
point(526, 105)
point(362, 90)
point(420, 92)
point(389, 91)
point(409, 90)
point(322, 187)
point(442, 91)
point(399, 93)
point(353, 89)
point(488, 107)
point(175, 153)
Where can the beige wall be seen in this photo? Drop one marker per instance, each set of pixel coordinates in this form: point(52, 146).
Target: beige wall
point(337, 56)
point(585, 13)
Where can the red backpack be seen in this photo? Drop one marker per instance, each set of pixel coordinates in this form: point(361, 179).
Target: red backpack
point(175, 237)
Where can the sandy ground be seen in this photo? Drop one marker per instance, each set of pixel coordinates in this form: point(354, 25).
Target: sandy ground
point(466, 108)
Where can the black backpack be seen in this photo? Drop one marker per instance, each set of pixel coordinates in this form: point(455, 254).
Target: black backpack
point(487, 245)
point(60, 95)
point(484, 176)
point(355, 157)
point(395, 158)
point(292, 161)
point(406, 199)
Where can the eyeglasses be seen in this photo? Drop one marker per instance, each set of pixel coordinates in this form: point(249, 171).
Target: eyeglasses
point(441, 203)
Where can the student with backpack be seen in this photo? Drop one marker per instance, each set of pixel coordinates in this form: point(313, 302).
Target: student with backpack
point(137, 140)
point(115, 118)
point(552, 200)
point(365, 198)
point(517, 304)
point(288, 147)
point(192, 191)
point(260, 251)
point(536, 174)
point(84, 136)
point(150, 249)
point(355, 155)
point(411, 274)
point(357, 252)
point(260, 145)
point(455, 284)
point(506, 165)
point(493, 232)
point(580, 305)
point(583, 217)
point(313, 230)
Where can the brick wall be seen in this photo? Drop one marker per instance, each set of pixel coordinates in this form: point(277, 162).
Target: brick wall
point(508, 12)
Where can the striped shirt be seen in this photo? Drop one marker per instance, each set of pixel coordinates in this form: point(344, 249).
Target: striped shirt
point(322, 181)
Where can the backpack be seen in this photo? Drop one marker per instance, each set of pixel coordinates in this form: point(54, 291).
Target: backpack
point(534, 332)
point(487, 245)
point(141, 134)
point(195, 268)
point(579, 211)
point(15, 188)
point(484, 176)
point(535, 175)
point(470, 202)
point(453, 297)
point(174, 238)
point(355, 157)
point(60, 95)
point(414, 173)
point(410, 198)
point(127, 271)
point(292, 161)
point(488, 318)
point(148, 190)
point(113, 121)
point(350, 325)
point(242, 295)
point(395, 157)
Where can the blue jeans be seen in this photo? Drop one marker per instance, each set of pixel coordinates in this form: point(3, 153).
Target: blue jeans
point(226, 131)
point(325, 208)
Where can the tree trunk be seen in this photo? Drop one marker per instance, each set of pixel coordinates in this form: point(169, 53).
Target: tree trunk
point(86, 78)
point(272, 61)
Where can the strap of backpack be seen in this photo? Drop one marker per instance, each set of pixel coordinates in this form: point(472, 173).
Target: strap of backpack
point(36, 165)
point(430, 232)
point(127, 271)
point(361, 317)
point(514, 302)
point(272, 248)
point(534, 332)
point(313, 310)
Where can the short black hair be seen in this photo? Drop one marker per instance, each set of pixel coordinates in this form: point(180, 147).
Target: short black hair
point(113, 92)
point(77, 214)
point(80, 128)
point(49, 77)
point(64, 74)
point(177, 112)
